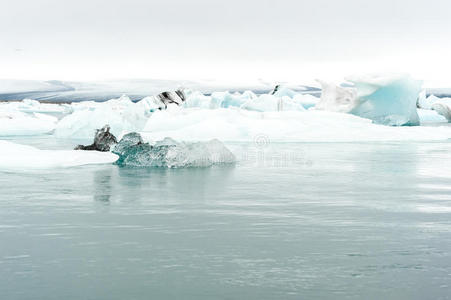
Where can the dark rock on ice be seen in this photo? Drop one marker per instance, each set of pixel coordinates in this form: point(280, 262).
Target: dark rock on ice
point(177, 97)
point(276, 88)
point(103, 140)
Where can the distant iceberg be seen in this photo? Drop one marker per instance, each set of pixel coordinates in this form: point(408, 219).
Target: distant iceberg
point(133, 151)
point(15, 123)
point(281, 100)
point(121, 114)
point(388, 100)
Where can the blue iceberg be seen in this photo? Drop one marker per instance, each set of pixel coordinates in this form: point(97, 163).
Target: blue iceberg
point(388, 100)
point(168, 153)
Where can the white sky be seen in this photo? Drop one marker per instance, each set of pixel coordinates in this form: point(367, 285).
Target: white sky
point(231, 40)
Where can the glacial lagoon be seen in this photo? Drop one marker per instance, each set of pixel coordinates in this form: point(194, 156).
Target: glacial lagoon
point(287, 221)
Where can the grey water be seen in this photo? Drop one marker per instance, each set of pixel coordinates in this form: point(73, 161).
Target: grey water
point(288, 221)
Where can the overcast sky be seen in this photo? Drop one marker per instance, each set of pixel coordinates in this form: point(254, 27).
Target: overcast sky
point(234, 39)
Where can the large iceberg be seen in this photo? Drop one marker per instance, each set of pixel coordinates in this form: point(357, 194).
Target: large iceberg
point(133, 151)
point(19, 157)
point(388, 100)
point(238, 125)
point(121, 114)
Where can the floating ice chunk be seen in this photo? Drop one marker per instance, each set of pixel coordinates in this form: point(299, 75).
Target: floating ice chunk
point(443, 107)
point(19, 123)
point(168, 153)
point(388, 100)
point(121, 114)
point(430, 116)
point(22, 158)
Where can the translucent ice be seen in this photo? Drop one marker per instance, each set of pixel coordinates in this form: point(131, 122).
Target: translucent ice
point(388, 100)
point(133, 151)
point(430, 116)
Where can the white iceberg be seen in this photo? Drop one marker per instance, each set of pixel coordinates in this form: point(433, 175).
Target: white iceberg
point(19, 157)
point(34, 106)
point(388, 100)
point(14, 123)
point(443, 107)
point(237, 125)
point(122, 115)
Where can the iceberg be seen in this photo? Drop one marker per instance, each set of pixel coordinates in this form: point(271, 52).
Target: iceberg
point(430, 116)
point(168, 153)
point(238, 125)
point(17, 157)
point(121, 114)
point(14, 123)
point(443, 107)
point(34, 106)
point(388, 100)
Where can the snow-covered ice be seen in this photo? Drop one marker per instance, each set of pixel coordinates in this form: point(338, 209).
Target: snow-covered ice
point(121, 114)
point(33, 106)
point(238, 125)
point(22, 157)
point(14, 123)
point(443, 107)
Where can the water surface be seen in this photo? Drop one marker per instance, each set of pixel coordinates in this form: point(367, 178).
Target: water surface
point(289, 221)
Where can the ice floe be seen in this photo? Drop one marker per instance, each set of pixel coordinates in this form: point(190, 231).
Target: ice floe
point(15, 123)
point(22, 157)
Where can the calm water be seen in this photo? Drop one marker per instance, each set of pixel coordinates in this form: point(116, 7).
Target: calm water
point(289, 221)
